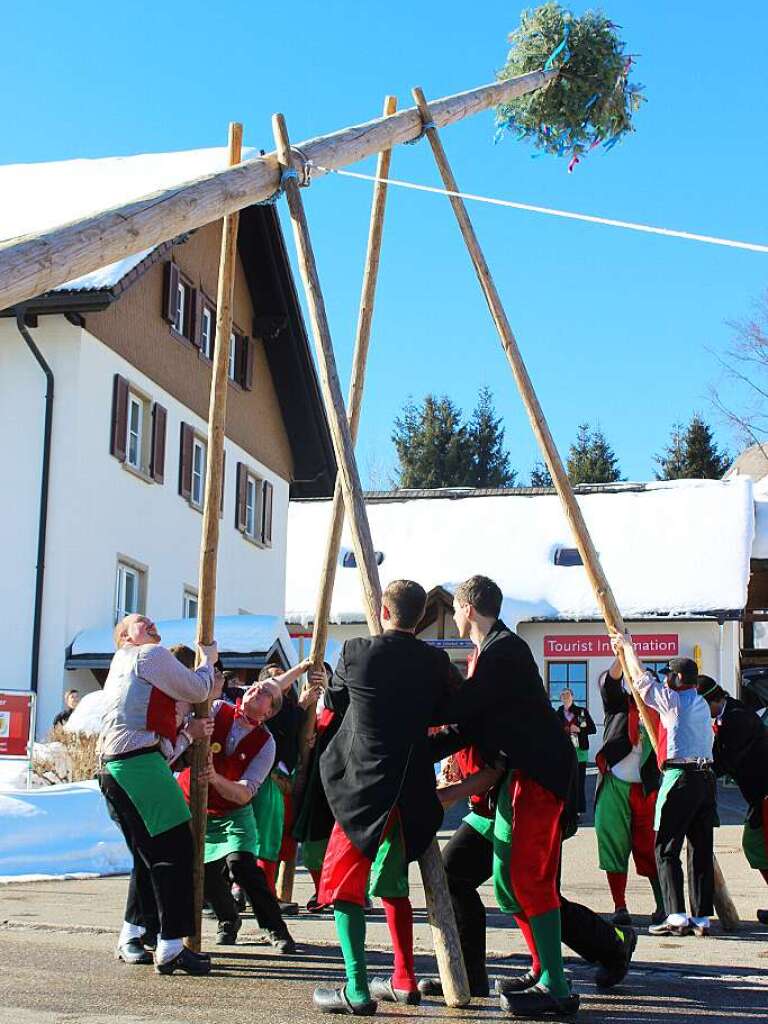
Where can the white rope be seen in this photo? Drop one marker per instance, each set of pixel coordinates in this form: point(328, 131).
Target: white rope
point(567, 214)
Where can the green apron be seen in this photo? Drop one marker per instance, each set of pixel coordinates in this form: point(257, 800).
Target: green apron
point(502, 846)
point(234, 832)
point(389, 871)
point(268, 811)
point(154, 792)
point(668, 778)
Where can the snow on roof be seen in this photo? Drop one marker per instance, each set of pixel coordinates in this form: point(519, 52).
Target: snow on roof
point(235, 634)
point(37, 197)
point(677, 548)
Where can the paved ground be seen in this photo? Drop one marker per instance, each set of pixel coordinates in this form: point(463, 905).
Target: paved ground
point(56, 966)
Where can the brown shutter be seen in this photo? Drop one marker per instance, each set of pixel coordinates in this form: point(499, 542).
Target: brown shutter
point(240, 356)
point(194, 315)
point(242, 477)
point(185, 461)
point(249, 344)
point(157, 462)
point(169, 291)
point(119, 431)
point(266, 533)
point(223, 481)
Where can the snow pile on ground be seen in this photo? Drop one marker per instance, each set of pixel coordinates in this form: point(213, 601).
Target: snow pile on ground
point(59, 830)
point(88, 714)
point(668, 549)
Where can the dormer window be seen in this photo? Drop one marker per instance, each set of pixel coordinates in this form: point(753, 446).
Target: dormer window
point(567, 557)
point(349, 561)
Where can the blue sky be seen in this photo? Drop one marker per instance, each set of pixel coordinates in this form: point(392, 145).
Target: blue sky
point(616, 328)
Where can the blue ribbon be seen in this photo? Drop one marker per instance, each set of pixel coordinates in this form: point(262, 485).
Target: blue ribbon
point(559, 49)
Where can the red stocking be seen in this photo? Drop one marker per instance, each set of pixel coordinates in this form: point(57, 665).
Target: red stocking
point(524, 925)
point(400, 923)
point(269, 867)
point(617, 880)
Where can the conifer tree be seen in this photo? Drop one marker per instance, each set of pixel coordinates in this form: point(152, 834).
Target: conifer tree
point(490, 463)
point(672, 461)
point(591, 460)
point(540, 475)
point(692, 453)
point(432, 445)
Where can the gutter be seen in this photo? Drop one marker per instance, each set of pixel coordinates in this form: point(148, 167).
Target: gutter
point(43, 516)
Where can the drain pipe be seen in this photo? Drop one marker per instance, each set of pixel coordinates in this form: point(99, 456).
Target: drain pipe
point(43, 518)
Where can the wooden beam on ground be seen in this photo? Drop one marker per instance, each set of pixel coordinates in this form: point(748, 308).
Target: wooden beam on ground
point(597, 578)
point(455, 984)
point(34, 264)
point(214, 468)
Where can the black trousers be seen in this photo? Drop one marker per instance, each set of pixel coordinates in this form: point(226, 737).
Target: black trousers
point(582, 787)
point(160, 887)
point(242, 869)
point(468, 859)
point(689, 812)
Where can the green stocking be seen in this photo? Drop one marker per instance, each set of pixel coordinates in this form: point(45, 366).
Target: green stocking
point(350, 927)
point(546, 935)
point(656, 886)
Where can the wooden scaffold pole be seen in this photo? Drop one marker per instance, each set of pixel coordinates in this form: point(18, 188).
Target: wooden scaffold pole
point(447, 946)
point(214, 470)
point(286, 871)
point(606, 601)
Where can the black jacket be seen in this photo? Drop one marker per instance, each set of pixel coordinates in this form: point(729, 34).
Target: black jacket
point(389, 689)
point(584, 721)
point(314, 819)
point(616, 741)
point(505, 708)
point(741, 750)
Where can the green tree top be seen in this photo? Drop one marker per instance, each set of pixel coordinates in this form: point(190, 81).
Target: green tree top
point(591, 460)
point(692, 453)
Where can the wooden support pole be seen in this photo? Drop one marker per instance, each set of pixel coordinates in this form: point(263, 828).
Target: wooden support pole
point(597, 578)
point(214, 467)
point(455, 983)
point(33, 265)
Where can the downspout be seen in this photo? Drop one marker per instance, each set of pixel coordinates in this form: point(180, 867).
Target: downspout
point(43, 518)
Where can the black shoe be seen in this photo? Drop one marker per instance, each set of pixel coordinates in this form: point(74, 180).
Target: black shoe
point(659, 916)
point(434, 987)
point(282, 942)
point(227, 932)
point(609, 974)
point(288, 909)
point(334, 1000)
point(665, 928)
point(133, 952)
point(503, 986)
point(313, 907)
point(239, 897)
point(622, 917)
point(538, 1003)
point(762, 916)
point(207, 910)
point(187, 961)
point(383, 989)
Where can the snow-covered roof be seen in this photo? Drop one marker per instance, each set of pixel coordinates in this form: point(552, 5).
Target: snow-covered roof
point(37, 197)
point(668, 549)
point(257, 635)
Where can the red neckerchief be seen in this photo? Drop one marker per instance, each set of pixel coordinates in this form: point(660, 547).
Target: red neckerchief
point(241, 715)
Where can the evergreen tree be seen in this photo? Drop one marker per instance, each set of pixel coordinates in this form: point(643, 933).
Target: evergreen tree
point(540, 475)
point(591, 460)
point(490, 463)
point(432, 445)
point(692, 453)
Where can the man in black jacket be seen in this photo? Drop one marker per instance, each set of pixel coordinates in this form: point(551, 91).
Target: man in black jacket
point(506, 709)
point(379, 780)
point(578, 727)
point(625, 801)
point(741, 751)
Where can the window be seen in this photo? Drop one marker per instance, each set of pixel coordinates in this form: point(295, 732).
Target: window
point(134, 452)
point(252, 490)
point(207, 332)
point(179, 316)
point(180, 303)
point(661, 668)
point(349, 561)
point(567, 675)
point(129, 590)
point(189, 604)
point(240, 368)
point(233, 356)
point(567, 556)
point(198, 472)
point(253, 508)
point(137, 432)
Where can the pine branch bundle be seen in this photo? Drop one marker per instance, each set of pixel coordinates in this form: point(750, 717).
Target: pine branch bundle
point(590, 103)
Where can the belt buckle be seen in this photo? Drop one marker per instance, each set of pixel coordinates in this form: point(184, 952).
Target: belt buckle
point(701, 763)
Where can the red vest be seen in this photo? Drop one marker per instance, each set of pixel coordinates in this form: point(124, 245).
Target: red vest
point(231, 766)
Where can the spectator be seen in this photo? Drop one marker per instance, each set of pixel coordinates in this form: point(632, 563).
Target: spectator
point(71, 700)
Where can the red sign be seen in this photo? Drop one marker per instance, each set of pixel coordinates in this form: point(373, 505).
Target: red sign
point(660, 645)
point(15, 723)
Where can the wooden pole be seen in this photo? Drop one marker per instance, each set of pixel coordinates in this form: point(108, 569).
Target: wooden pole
point(34, 264)
point(597, 578)
point(455, 983)
point(214, 466)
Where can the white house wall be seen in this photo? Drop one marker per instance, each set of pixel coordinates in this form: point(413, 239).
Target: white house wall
point(99, 510)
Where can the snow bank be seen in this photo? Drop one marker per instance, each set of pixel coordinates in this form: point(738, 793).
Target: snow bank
point(668, 549)
point(60, 830)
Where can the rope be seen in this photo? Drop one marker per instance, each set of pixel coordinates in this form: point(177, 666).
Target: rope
point(426, 125)
point(648, 229)
point(289, 172)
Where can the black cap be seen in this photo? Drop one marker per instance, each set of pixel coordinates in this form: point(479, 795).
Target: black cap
point(686, 668)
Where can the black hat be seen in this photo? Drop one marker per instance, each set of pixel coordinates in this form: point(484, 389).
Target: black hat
point(686, 668)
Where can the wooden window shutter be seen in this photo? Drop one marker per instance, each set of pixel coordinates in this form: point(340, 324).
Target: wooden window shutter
point(119, 430)
point(266, 532)
point(194, 316)
point(242, 479)
point(169, 291)
point(185, 461)
point(157, 462)
point(249, 346)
